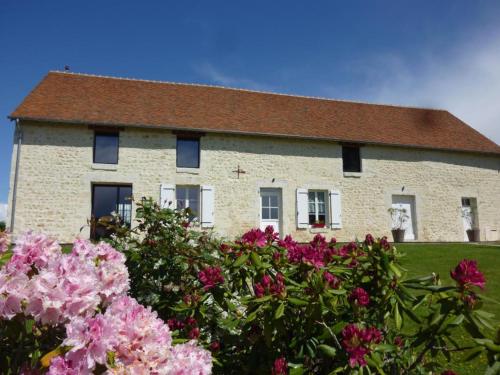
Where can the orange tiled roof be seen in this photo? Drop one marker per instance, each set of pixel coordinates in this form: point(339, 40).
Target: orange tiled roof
point(79, 98)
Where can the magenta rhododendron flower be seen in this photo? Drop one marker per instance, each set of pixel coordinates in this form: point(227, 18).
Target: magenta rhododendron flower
point(384, 243)
point(210, 277)
point(317, 253)
point(271, 235)
point(357, 342)
point(360, 297)
point(280, 366)
point(254, 237)
point(369, 240)
point(268, 286)
point(332, 280)
point(466, 274)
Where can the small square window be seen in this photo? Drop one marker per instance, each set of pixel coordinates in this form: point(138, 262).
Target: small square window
point(188, 152)
point(106, 147)
point(317, 208)
point(351, 159)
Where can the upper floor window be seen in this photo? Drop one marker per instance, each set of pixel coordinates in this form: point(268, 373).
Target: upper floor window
point(188, 152)
point(351, 159)
point(106, 147)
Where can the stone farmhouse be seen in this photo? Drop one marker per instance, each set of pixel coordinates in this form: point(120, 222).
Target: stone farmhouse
point(239, 159)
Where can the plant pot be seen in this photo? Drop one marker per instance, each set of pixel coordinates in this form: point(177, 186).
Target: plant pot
point(473, 235)
point(398, 235)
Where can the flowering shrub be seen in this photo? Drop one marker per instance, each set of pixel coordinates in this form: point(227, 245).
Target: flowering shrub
point(70, 314)
point(263, 305)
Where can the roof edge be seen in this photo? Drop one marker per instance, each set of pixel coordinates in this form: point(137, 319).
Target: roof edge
point(235, 132)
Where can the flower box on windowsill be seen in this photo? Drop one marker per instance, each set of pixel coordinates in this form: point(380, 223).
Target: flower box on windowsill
point(318, 225)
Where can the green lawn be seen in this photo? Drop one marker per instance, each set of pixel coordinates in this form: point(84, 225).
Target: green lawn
point(422, 259)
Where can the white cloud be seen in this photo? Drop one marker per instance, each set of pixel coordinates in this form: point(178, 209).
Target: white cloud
point(208, 71)
point(3, 211)
point(464, 80)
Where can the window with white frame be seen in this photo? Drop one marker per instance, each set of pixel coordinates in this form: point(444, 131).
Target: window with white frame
point(188, 197)
point(317, 208)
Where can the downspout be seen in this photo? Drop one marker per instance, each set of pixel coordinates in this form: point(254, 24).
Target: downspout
point(18, 137)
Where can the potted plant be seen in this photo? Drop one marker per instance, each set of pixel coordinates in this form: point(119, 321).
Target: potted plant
point(399, 219)
point(473, 232)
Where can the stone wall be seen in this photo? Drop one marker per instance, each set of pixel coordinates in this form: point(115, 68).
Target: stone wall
point(56, 174)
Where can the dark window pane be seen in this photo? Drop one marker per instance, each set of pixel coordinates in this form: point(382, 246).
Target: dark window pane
point(106, 148)
point(312, 219)
point(188, 152)
point(351, 159)
point(107, 199)
point(104, 201)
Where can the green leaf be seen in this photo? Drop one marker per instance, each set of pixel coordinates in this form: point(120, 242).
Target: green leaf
point(397, 317)
point(328, 350)
point(241, 260)
point(261, 299)
point(297, 301)
point(279, 311)
point(386, 348)
point(256, 259)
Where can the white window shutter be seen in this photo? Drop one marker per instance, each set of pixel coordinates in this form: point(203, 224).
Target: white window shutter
point(207, 206)
point(167, 196)
point(335, 209)
point(302, 208)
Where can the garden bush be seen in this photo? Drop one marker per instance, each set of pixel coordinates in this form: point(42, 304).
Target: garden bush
point(70, 314)
point(258, 305)
point(267, 305)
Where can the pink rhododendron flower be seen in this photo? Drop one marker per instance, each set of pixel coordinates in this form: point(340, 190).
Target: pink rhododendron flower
point(280, 366)
point(210, 277)
point(32, 250)
point(188, 359)
point(71, 289)
point(4, 241)
point(254, 237)
point(360, 297)
point(466, 274)
point(357, 342)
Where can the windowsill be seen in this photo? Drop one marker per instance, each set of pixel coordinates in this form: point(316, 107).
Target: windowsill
point(104, 167)
point(319, 230)
point(188, 170)
point(353, 174)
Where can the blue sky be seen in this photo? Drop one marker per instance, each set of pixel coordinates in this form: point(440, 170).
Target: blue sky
point(442, 54)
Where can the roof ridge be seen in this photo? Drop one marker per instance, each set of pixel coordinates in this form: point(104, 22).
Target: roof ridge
point(244, 90)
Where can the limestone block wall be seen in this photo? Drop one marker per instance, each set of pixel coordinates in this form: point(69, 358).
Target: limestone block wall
point(56, 174)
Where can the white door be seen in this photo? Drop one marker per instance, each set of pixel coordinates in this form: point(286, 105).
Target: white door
point(407, 203)
point(270, 208)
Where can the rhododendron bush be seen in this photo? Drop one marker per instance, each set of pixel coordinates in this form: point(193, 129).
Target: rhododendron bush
point(265, 305)
point(70, 314)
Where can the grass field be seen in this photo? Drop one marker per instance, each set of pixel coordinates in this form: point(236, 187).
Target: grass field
point(422, 259)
